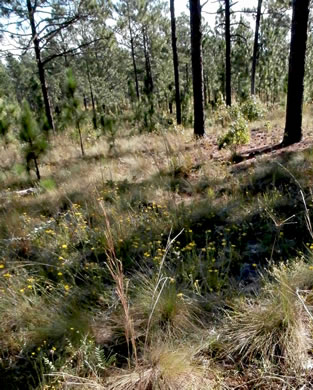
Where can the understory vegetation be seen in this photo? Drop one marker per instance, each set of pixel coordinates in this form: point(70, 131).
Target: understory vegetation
point(152, 262)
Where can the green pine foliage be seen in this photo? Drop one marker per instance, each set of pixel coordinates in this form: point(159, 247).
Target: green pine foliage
point(33, 140)
point(73, 114)
point(7, 112)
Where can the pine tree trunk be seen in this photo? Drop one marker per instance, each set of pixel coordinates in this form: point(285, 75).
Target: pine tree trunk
point(299, 26)
point(37, 168)
point(133, 53)
point(175, 63)
point(149, 80)
point(206, 90)
point(81, 140)
point(94, 113)
point(41, 70)
point(197, 67)
point(33, 156)
point(255, 46)
point(228, 53)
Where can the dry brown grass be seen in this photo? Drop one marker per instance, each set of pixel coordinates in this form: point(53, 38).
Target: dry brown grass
point(275, 329)
point(166, 367)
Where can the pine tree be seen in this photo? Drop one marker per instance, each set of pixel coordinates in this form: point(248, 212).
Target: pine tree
point(73, 111)
point(271, 80)
point(197, 67)
point(39, 25)
point(6, 115)
point(228, 52)
point(175, 63)
point(255, 46)
point(299, 26)
point(34, 142)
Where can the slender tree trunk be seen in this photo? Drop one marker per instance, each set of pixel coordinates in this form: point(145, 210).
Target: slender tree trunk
point(81, 140)
point(197, 67)
point(37, 168)
point(299, 26)
point(149, 79)
point(228, 52)
point(94, 113)
point(175, 63)
point(206, 90)
point(35, 162)
point(255, 46)
point(41, 70)
point(133, 52)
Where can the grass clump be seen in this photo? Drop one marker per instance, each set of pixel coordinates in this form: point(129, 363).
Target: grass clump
point(165, 367)
point(275, 329)
point(162, 305)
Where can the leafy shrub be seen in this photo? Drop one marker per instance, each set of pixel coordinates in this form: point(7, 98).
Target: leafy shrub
point(222, 114)
point(252, 109)
point(237, 134)
point(109, 129)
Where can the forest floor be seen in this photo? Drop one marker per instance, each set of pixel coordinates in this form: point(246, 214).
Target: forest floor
point(156, 263)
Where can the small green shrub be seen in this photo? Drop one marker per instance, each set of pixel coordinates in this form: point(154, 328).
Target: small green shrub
point(237, 134)
point(109, 129)
point(252, 109)
point(47, 184)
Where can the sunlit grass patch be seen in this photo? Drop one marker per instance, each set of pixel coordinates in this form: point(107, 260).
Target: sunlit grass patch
point(165, 367)
point(275, 329)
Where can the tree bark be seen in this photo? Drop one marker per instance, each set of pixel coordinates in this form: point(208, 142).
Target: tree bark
point(175, 63)
point(197, 67)
point(149, 80)
point(299, 26)
point(206, 89)
point(228, 53)
point(81, 140)
point(133, 52)
point(37, 168)
point(255, 46)
point(94, 113)
point(41, 70)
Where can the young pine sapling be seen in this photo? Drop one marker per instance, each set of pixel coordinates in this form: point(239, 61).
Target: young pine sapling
point(73, 111)
point(34, 143)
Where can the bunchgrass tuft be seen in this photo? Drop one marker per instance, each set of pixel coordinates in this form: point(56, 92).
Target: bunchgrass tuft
point(276, 328)
point(164, 368)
